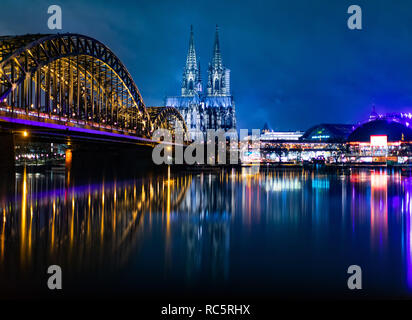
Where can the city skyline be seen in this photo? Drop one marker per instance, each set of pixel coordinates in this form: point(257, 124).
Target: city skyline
point(132, 171)
point(305, 63)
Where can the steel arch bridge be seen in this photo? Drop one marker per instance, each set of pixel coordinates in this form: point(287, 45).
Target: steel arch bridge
point(74, 80)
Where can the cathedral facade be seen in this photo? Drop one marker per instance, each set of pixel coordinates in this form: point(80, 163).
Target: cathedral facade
point(213, 108)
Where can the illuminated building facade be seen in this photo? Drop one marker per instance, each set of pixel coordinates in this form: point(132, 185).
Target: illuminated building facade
point(323, 141)
point(281, 135)
point(213, 109)
point(328, 133)
point(381, 139)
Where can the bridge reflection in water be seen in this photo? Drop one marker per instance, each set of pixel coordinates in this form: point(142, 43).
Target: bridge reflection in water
point(81, 227)
point(247, 230)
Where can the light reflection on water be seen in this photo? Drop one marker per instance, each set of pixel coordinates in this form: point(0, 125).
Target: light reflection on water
point(251, 230)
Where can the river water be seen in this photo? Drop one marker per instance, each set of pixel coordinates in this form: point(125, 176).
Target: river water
point(253, 232)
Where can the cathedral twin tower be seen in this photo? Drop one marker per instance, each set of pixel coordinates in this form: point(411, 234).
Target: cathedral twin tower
point(213, 108)
point(218, 82)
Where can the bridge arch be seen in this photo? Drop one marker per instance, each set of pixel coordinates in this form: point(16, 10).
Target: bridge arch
point(70, 77)
point(167, 118)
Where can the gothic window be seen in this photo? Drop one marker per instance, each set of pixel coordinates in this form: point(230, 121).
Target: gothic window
point(190, 85)
point(216, 84)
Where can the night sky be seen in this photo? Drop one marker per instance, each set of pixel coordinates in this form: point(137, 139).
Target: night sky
point(294, 63)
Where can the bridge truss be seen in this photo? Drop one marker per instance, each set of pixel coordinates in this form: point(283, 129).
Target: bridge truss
point(167, 118)
point(73, 79)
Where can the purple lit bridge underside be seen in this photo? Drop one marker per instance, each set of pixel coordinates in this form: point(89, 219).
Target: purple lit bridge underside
point(59, 130)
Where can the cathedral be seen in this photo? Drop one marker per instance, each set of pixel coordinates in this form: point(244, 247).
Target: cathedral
point(213, 108)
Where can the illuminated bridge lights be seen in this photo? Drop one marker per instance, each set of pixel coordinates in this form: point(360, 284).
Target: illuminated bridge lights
point(73, 79)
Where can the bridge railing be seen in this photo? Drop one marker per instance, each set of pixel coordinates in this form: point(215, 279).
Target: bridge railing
point(20, 113)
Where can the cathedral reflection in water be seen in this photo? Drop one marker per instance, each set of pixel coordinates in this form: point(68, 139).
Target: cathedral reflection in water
point(96, 227)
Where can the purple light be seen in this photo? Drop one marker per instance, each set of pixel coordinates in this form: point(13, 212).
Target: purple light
point(71, 129)
point(408, 214)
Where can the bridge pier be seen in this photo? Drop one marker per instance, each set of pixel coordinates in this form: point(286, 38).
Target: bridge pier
point(7, 154)
point(7, 162)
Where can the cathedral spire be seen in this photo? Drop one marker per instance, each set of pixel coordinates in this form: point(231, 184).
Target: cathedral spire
point(217, 57)
point(218, 83)
point(191, 54)
point(191, 75)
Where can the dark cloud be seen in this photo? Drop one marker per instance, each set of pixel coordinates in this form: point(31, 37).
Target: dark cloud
point(294, 63)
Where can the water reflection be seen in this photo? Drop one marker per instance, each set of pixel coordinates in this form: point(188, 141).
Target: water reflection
point(379, 208)
point(207, 225)
point(407, 231)
point(84, 227)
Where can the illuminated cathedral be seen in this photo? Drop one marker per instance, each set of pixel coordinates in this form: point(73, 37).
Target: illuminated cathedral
point(213, 108)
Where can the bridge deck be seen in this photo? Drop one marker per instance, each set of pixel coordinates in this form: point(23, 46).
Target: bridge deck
point(55, 125)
